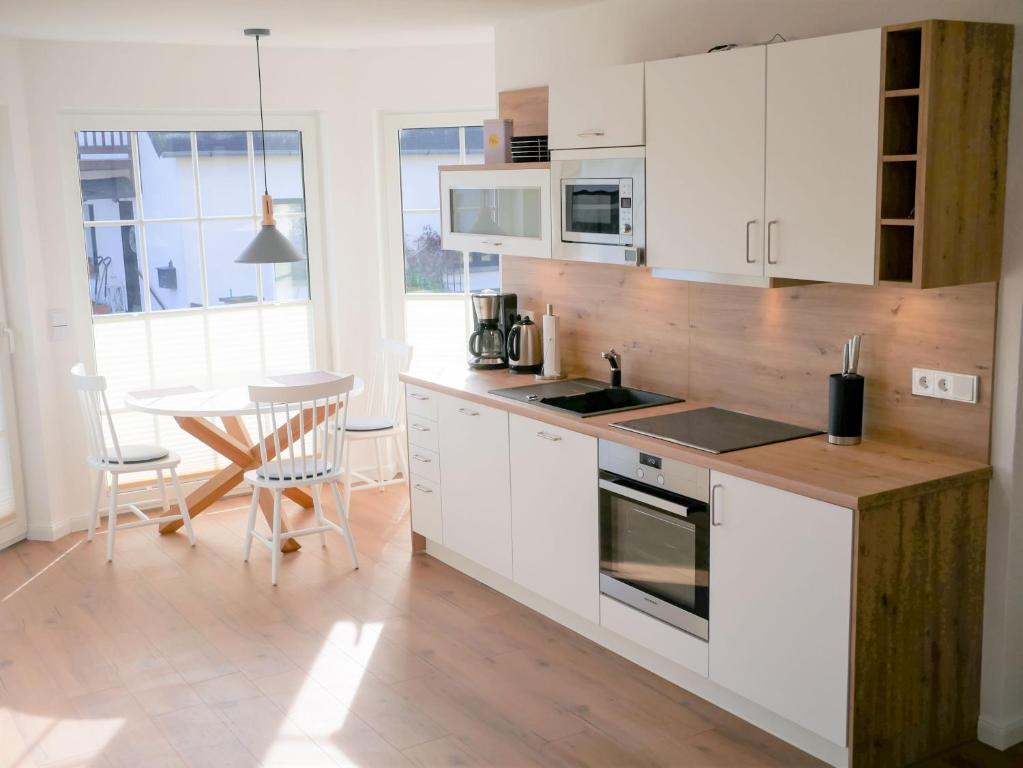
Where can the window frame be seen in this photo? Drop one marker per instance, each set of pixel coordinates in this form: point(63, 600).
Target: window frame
point(393, 264)
point(81, 305)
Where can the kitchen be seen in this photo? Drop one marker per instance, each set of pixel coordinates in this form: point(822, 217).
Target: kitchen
point(799, 205)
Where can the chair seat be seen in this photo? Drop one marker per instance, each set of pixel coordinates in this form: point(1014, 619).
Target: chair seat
point(303, 469)
point(139, 454)
point(369, 423)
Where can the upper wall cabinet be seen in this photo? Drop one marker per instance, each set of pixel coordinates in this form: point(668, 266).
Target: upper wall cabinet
point(785, 191)
point(821, 180)
point(505, 210)
point(705, 162)
point(597, 108)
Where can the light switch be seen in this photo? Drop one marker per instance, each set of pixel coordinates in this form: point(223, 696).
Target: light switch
point(964, 388)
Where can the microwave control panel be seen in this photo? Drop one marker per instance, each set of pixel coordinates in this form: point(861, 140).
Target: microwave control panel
point(625, 210)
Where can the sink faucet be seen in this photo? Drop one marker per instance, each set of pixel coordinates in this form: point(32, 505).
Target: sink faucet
point(615, 361)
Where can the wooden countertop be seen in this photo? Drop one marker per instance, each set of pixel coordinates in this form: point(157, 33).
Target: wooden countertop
point(856, 477)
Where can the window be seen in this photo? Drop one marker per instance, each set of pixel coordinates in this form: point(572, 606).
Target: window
point(437, 282)
point(165, 214)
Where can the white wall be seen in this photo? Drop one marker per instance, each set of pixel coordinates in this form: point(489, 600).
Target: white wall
point(527, 53)
point(346, 91)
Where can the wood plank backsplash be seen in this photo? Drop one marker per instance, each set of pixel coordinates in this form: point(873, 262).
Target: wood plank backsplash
point(769, 351)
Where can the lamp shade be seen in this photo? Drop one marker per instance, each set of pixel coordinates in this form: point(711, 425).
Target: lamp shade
point(270, 246)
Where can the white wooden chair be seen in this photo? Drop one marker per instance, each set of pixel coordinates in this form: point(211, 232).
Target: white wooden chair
point(285, 415)
point(107, 455)
point(385, 420)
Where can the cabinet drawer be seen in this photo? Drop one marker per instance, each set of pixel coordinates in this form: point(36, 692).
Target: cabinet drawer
point(426, 508)
point(424, 464)
point(422, 432)
point(421, 402)
point(661, 638)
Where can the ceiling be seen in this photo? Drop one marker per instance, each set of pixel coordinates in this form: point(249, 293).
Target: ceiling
point(294, 23)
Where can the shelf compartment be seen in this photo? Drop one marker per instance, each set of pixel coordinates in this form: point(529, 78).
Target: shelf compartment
point(902, 58)
point(898, 191)
point(901, 125)
point(896, 252)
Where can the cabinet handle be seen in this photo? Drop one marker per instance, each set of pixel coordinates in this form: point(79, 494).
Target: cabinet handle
point(468, 412)
point(417, 396)
point(420, 428)
point(493, 242)
point(422, 488)
point(749, 224)
point(714, 520)
point(549, 436)
point(769, 225)
point(422, 459)
point(591, 132)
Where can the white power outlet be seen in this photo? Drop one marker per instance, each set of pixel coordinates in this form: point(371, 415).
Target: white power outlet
point(961, 387)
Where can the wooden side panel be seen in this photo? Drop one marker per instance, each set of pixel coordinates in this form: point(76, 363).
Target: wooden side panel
point(919, 601)
point(526, 108)
point(769, 352)
point(966, 73)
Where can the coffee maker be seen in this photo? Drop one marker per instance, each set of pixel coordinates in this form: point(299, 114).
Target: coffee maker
point(493, 314)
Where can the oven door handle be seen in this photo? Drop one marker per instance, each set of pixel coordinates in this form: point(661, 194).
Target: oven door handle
point(644, 498)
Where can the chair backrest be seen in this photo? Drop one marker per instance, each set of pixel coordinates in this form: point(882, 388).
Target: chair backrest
point(99, 424)
point(385, 394)
point(285, 414)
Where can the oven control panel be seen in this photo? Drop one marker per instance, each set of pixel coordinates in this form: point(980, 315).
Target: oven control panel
point(669, 474)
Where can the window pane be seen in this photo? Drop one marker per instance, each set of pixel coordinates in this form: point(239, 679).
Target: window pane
point(175, 279)
point(227, 282)
point(428, 267)
point(165, 168)
point(283, 170)
point(224, 184)
point(474, 144)
point(115, 282)
point(288, 282)
point(107, 175)
point(484, 271)
point(436, 329)
point(422, 150)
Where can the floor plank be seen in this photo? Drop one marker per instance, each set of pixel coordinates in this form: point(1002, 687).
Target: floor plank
point(181, 656)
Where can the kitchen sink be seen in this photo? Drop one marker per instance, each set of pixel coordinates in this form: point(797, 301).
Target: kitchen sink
point(585, 397)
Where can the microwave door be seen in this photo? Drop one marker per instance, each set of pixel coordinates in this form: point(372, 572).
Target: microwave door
point(591, 211)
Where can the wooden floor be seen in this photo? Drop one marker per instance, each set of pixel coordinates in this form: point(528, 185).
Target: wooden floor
point(177, 656)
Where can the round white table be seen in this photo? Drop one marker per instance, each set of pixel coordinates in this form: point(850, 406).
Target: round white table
point(194, 410)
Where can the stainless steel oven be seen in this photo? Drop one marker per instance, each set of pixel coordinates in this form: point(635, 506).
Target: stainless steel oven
point(655, 536)
point(602, 210)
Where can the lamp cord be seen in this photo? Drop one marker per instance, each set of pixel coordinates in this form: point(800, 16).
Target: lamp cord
point(262, 126)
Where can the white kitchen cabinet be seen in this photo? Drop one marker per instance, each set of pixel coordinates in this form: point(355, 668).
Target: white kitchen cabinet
point(597, 107)
point(705, 162)
point(506, 211)
point(555, 532)
point(822, 134)
point(780, 596)
point(475, 488)
point(426, 512)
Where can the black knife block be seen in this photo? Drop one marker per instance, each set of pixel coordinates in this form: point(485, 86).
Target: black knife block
point(845, 408)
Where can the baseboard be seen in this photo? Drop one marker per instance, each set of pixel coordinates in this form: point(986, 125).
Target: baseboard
point(50, 532)
point(819, 747)
point(1000, 735)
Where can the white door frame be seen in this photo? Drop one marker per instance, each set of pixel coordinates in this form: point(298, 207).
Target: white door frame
point(15, 528)
point(392, 266)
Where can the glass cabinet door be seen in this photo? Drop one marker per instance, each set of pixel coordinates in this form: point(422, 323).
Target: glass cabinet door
point(505, 211)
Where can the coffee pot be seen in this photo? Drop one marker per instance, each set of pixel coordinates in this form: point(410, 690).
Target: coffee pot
point(525, 347)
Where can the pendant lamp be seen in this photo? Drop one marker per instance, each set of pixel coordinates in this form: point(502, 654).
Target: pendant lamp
point(269, 246)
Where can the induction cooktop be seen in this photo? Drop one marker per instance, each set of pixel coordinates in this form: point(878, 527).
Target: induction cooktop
point(715, 430)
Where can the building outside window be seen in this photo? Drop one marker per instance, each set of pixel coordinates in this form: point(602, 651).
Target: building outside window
point(165, 214)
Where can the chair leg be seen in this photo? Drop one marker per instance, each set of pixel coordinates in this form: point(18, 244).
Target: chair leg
point(94, 512)
point(348, 476)
point(377, 447)
point(399, 443)
point(342, 516)
point(182, 504)
point(275, 550)
point(250, 525)
point(163, 489)
point(112, 517)
point(318, 507)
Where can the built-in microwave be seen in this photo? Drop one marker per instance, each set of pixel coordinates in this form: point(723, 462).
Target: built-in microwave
point(601, 210)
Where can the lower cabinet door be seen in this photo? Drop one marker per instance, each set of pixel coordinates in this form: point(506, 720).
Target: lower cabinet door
point(554, 515)
point(780, 591)
point(475, 482)
point(426, 509)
